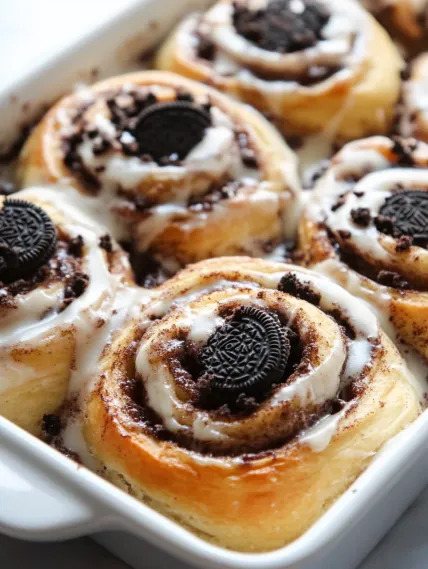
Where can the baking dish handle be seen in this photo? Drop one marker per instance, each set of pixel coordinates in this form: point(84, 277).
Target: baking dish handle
point(33, 504)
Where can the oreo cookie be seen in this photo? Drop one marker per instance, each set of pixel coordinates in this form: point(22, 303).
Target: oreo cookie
point(27, 239)
point(248, 354)
point(167, 129)
point(283, 26)
point(408, 212)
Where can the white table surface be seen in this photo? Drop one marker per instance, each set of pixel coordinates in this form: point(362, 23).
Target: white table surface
point(29, 31)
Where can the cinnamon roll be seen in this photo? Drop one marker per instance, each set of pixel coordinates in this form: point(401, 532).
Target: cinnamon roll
point(408, 18)
point(245, 399)
point(366, 226)
point(305, 63)
point(183, 171)
point(60, 277)
point(415, 100)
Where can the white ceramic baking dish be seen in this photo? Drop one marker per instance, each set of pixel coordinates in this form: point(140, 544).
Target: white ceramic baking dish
point(46, 496)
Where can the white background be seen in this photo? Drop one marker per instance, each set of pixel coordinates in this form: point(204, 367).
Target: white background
point(31, 30)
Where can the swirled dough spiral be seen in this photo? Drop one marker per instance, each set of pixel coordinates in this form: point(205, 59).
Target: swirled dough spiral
point(250, 470)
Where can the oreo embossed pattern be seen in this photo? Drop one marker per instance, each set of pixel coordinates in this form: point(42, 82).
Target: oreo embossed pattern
point(27, 239)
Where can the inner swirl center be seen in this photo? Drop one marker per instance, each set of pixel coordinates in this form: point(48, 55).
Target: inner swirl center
point(243, 360)
point(247, 353)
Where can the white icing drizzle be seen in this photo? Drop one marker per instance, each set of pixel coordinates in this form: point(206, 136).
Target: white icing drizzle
point(105, 305)
point(342, 45)
point(182, 311)
point(319, 436)
point(126, 305)
point(215, 159)
point(215, 156)
point(378, 302)
point(278, 254)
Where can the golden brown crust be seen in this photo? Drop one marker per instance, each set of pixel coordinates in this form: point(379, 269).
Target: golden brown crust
point(45, 388)
point(253, 503)
point(354, 106)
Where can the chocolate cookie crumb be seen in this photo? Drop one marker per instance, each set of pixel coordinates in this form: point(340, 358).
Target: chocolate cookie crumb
point(76, 287)
point(184, 96)
point(295, 142)
point(344, 233)
point(249, 158)
point(51, 425)
point(311, 178)
point(75, 246)
point(215, 194)
point(248, 155)
point(290, 284)
point(384, 224)
point(142, 203)
point(105, 243)
point(245, 403)
point(392, 279)
point(206, 48)
point(403, 149)
point(405, 73)
point(404, 243)
point(361, 216)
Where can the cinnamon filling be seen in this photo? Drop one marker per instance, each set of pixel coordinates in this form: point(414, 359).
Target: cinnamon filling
point(370, 270)
point(195, 384)
point(310, 77)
